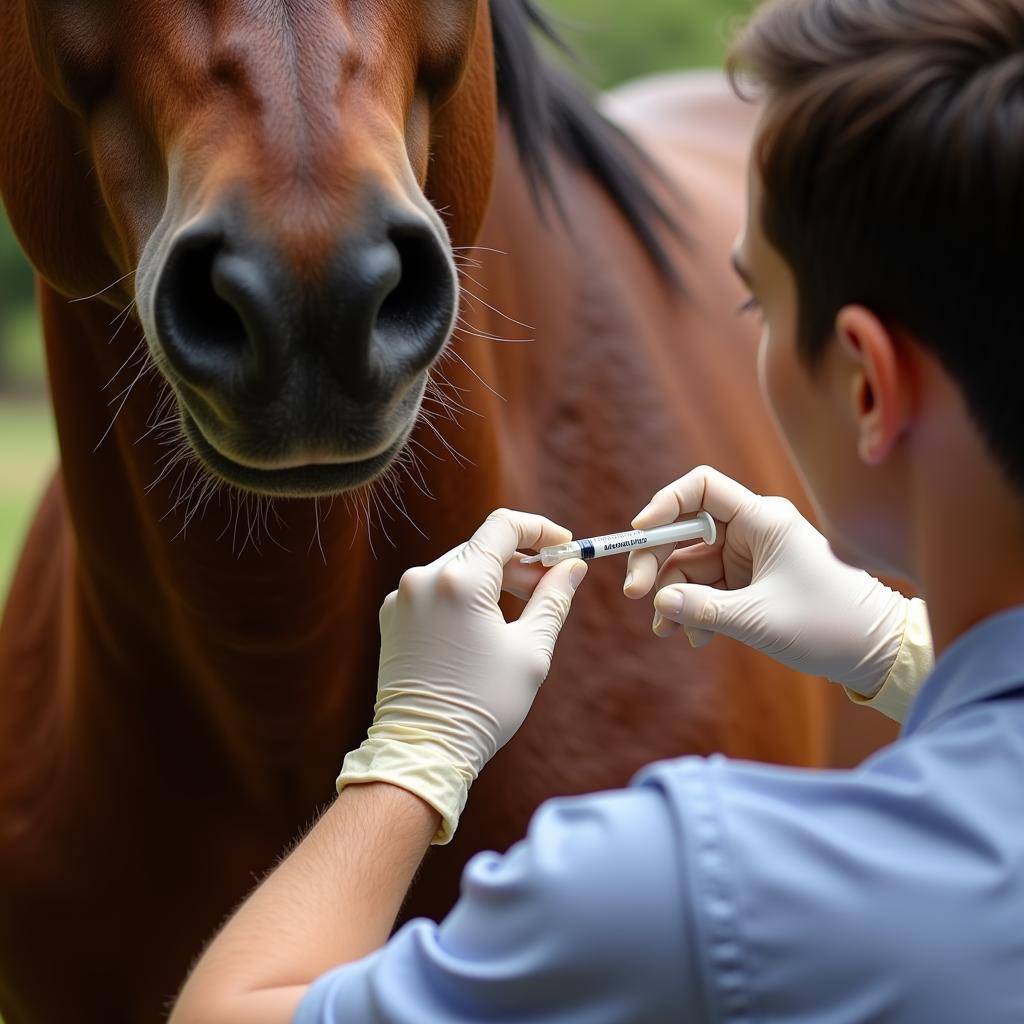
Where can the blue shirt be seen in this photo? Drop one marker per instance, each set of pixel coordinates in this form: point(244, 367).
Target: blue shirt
point(718, 890)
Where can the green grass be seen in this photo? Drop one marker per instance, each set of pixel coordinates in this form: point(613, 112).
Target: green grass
point(21, 352)
point(27, 455)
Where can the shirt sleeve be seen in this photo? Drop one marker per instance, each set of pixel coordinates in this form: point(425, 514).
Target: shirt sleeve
point(888, 893)
point(584, 922)
point(913, 664)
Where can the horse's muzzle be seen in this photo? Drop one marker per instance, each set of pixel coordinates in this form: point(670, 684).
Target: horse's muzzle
point(284, 360)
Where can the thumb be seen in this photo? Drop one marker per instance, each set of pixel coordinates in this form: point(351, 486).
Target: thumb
point(548, 608)
point(705, 611)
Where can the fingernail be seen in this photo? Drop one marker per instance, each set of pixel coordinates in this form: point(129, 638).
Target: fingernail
point(692, 638)
point(578, 571)
point(656, 624)
point(668, 602)
point(629, 580)
point(640, 515)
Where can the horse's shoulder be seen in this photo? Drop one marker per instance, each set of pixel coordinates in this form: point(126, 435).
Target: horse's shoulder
point(698, 131)
point(682, 105)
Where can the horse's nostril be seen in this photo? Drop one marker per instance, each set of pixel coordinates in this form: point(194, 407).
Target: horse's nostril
point(202, 313)
point(214, 313)
point(421, 303)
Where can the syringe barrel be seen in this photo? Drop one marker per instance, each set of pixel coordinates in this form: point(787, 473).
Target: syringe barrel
point(701, 528)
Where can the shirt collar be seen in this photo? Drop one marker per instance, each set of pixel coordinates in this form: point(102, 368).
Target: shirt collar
point(985, 662)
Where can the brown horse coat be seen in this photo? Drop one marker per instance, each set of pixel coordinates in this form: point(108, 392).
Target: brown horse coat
point(174, 706)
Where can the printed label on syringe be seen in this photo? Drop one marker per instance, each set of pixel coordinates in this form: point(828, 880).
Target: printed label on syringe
point(595, 547)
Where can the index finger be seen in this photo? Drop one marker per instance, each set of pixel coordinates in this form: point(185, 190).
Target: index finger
point(504, 532)
point(704, 489)
point(645, 564)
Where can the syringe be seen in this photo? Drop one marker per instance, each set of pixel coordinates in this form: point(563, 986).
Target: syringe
point(702, 528)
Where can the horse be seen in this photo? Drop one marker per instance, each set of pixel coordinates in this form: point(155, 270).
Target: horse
point(322, 284)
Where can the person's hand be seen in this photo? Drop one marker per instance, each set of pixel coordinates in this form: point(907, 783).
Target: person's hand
point(456, 680)
point(771, 581)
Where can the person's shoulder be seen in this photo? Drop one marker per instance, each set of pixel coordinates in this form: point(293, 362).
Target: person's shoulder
point(899, 882)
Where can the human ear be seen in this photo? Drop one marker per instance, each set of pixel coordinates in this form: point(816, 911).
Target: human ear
point(879, 386)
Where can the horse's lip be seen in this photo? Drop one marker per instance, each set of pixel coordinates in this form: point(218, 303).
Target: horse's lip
point(284, 463)
point(303, 479)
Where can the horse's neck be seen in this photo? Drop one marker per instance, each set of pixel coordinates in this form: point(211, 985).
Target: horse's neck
point(225, 604)
point(245, 598)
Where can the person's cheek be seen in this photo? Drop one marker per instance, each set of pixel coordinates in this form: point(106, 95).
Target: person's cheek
point(771, 380)
point(762, 368)
point(780, 386)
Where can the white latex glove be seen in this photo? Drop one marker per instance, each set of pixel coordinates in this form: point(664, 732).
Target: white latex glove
point(456, 680)
point(771, 581)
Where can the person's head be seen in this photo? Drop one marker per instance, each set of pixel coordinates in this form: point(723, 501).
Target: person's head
point(886, 213)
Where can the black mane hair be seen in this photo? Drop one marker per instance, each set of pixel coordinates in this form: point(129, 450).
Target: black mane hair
point(549, 111)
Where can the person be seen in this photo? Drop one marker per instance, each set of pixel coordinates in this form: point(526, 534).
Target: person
point(884, 215)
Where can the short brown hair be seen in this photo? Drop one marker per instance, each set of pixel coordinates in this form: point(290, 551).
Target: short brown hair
point(892, 158)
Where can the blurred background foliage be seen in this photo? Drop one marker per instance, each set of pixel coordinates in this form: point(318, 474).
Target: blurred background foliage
point(615, 39)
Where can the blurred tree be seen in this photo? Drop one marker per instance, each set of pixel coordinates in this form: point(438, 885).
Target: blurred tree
point(15, 304)
point(622, 40)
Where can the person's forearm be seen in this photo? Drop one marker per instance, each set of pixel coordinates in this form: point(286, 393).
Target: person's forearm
point(332, 901)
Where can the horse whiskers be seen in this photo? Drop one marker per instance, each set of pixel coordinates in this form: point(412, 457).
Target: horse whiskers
point(354, 502)
point(413, 443)
point(437, 378)
point(96, 295)
point(434, 393)
point(161, 413)
point(176, 456)
point(461, 460)
point(450, 353)
point(472, 332)
point(470, 277)
point(237, 500)
point(253, 518)
point(477, 248)
point(125, 315)
point(444, 410)
point(511, 319)
point(249, 516)
point(127, 393)
point(162, 430)
point(316, 535)
point(381, 511)
point(206, 493)
point(365, 497)
point(270, 510)
point(353, 511)
point(117, 373)
point(409, 462)
point(195, 493)
point(391, 485)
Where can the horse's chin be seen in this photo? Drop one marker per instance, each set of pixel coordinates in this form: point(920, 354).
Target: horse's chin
point(318, 479)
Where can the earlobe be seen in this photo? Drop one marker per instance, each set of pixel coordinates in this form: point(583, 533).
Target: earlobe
point(870, 432)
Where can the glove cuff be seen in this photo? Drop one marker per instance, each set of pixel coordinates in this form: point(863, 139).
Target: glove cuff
point(415, 764)
point(913, 664)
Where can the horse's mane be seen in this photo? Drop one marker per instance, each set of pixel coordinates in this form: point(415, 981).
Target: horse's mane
point(549, 111)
